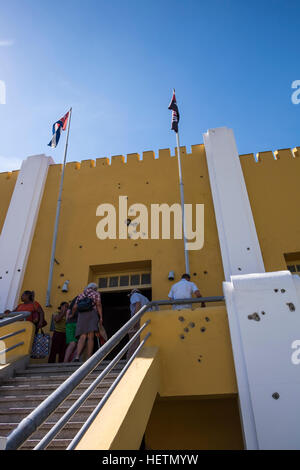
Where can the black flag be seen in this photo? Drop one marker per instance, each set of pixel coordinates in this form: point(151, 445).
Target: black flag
point(175, 113)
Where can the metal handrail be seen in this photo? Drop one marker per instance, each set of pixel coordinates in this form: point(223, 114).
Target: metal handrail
point(37, 417)
point(101, 404)
point(13, 317)
point(71, 411)
point(10, 335)
point(11, 348)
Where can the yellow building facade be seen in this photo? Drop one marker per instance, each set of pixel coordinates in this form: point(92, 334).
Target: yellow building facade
point(197, 408)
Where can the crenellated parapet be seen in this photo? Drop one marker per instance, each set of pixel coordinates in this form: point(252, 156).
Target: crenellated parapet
point(147, 157)
point(269, 156)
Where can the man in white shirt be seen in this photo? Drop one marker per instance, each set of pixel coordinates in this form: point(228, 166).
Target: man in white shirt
point(184, 289)
point(137, 301)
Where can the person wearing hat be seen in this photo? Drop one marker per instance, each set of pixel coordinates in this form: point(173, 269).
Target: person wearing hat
point(89, 308)
point(58, 326)
point(137, 301)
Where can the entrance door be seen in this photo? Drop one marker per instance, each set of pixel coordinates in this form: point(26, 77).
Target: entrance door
point(116, 312)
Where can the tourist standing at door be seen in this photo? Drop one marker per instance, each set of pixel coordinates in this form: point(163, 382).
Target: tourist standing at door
point(89, 308)
point(137, 301)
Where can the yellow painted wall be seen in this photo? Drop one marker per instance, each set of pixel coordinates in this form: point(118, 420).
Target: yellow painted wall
point(177, 424)
point(273, 189)
point(7, 185)
point(148, 181)
point(273, 192)
point(192, 359)
point(195, 351)
point(26, 337)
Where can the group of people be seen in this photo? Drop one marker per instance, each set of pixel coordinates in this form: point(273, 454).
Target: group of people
point(79, 323)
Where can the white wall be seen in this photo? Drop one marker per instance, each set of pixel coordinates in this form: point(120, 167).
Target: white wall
point(19, 226)
point(239, 244)
point(264, 351)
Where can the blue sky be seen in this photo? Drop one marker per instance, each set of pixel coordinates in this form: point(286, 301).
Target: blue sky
point(232, 63)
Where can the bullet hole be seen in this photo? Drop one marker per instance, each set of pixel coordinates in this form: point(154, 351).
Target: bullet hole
point(0, 277)
point(201, 176)
point(248, 248)
point(263, 313)
point(186, 330)
point(80, 246)
point(115, 247)
point(181, 336)
point(128, 222)
point(6, 272)
point(19, 270)
point(205, 272)
point(254, 316)
point(147, 182)
point(239, 269)
point(199, 360)
point(282, 291)
point(291, 306)
point(21, 183)
point(207, 319)
point(192, 325)
point(276, 396)
point(180, 318)
point(136, 244)
point(275, 290)
point(203, 330)
point(62, 275)
point(58, 287)
point(195, 274)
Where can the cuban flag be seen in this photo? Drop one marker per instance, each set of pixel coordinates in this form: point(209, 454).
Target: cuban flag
point(175, 113)
point(57, 128)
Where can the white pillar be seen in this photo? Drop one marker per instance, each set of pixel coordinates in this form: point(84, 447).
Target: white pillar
point(264, 319)
point(239, 244)
point(19, 227)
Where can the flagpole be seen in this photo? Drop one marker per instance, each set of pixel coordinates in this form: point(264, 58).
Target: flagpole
point(48, 302)
point(186, 254)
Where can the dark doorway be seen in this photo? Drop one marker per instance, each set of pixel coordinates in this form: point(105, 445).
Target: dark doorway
point(116, 312)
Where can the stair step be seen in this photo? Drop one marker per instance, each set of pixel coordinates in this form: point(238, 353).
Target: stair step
point(15, 415)
point(72, 365)
point(39, 389)
point(56, 444)
point(52, 378)
point(62, 369)
point(35, 400)
point(68, 432)
point(20, 395)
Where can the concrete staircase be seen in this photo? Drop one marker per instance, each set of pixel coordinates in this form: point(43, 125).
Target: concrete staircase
point(23, 393)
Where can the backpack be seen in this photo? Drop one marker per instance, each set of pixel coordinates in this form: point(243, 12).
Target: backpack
point(85, 305)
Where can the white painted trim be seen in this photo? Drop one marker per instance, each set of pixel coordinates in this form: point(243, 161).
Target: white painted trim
point(245, 405)
point(19, 227)
point(263, 356)
point(239, 244)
